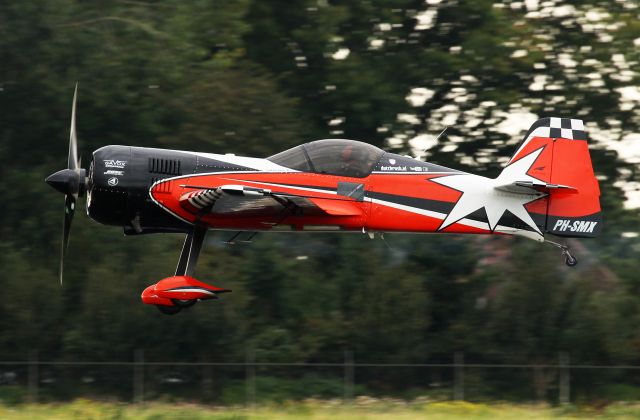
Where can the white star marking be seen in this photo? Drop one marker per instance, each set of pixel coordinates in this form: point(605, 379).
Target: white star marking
point(479, 192)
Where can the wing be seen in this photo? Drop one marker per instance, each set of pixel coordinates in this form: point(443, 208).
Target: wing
point(241, 200)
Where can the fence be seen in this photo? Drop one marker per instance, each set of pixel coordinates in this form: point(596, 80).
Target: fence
point(206, 381)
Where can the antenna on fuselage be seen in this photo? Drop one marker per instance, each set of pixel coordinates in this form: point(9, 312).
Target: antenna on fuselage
point(423, 151)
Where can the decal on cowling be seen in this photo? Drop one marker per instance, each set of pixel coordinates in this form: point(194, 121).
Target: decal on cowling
point(116, 173)
point(113, 163)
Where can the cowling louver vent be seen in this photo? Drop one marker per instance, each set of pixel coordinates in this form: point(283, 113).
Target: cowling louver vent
point(164, 166)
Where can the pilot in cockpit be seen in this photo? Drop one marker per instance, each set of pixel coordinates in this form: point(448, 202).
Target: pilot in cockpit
point(353, 161)
point(358, 161)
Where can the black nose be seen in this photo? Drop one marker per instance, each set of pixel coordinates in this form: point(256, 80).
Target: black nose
point(67, 181)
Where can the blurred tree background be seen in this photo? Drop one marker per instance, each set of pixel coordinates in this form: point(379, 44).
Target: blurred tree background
point(255, 77)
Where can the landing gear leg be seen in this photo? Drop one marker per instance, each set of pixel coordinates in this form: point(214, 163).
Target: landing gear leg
point(191, 252)
point(186, 267)
point(569, 259)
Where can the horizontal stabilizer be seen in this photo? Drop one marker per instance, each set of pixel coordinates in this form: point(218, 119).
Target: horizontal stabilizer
point(525, 187)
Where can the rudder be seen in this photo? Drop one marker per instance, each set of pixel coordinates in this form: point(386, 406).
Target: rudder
point(573, 205)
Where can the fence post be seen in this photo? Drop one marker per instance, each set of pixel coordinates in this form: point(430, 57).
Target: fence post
point(138, 376)
point(564, 377)
point(250, 367)
point(458, 376)
point(207, 381)
point(32, 380)
point(348, 376)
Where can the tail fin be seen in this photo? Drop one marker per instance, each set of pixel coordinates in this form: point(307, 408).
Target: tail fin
point(565, 172)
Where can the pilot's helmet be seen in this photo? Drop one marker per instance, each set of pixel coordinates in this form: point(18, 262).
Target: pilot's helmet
point(348, 153)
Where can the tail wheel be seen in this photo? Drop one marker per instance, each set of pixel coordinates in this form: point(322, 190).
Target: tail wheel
point(169, 310)
point(184, 303)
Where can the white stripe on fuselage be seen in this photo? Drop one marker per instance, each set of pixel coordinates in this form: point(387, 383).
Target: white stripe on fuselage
point(271, 184)
point(258, 164)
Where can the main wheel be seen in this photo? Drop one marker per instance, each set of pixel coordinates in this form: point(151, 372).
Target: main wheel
point(571, 261)
point(168, 310)
point(184, 303)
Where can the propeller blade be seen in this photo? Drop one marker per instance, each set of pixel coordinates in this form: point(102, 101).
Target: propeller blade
point(73, 139)
point(70, 182)
point(69, 210)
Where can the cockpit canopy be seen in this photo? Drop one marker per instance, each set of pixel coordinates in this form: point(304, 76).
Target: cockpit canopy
point(335, 156)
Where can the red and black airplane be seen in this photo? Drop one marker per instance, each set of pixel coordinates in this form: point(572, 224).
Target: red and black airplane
point(547, 188)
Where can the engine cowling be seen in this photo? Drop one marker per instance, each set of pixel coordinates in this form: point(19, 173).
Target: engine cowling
point(118, 186)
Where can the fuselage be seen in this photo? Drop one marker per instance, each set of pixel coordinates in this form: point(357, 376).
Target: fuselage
point(143, 190)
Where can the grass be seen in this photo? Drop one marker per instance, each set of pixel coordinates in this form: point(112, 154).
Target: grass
point(361, 409)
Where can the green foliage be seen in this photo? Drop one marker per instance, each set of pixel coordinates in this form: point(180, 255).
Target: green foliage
point(271, 389)
point(12, 395)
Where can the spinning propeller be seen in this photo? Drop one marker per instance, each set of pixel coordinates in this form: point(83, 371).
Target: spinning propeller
point(71, 182)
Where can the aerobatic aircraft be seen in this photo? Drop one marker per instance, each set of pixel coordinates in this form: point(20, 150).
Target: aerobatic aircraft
point(547, 188)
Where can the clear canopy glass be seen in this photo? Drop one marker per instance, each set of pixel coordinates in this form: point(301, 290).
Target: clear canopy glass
point(335, 156)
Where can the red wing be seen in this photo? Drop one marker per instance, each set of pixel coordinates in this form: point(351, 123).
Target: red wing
point(246, 201)
point(336, 207)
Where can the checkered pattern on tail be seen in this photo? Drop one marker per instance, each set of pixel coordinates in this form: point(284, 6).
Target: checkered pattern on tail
point(202, 198)
point(566, 128)
point(553, 128)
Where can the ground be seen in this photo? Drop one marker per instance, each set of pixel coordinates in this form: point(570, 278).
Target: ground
point(317, 410)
